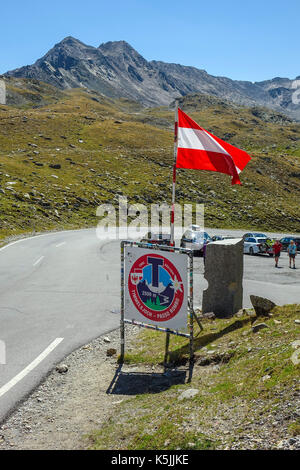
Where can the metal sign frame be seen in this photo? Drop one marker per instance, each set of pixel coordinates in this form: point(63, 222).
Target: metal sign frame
point(168, 331)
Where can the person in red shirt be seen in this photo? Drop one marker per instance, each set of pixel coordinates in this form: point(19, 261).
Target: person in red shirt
point(276, 250)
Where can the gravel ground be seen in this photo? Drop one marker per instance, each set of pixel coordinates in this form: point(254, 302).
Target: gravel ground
point(68, 405)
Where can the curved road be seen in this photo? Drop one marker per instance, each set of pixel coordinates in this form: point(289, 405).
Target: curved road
point(53, 286)
point(60, 290)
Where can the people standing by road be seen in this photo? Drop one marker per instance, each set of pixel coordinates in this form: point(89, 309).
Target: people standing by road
point(276, 250)
point(292, 252)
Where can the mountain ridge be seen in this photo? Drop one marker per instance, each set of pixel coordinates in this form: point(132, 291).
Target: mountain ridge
point(117, 70)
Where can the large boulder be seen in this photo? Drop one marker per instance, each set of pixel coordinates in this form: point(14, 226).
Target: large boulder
point(261, 305)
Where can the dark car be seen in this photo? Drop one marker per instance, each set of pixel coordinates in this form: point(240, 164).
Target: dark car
point(285, 241)
point(216, 238)
point(157, 238)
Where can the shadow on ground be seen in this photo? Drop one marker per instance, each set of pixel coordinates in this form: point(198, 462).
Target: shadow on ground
point(180, 356)
point(133, 383)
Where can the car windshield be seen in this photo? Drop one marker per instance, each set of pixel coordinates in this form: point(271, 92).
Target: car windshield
point(201, 235)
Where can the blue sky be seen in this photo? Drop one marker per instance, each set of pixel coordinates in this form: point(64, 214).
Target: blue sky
point(251, 40)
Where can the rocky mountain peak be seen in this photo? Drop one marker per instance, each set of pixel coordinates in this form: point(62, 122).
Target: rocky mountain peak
point(116, 69)
point(124, 54)
point(70, 41)
point(115, 47)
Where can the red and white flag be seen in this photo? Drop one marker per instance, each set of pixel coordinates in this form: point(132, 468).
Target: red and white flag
point(198, 149)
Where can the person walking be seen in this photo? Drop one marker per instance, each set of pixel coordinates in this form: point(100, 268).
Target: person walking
point(276, 250)
point(292, 252)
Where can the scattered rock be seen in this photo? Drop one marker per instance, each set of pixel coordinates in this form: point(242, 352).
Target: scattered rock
point(258, 327)
point(56, 166)
point(190, 393)
point(210, 315)
point(111, 352)
point(241, 312)
point(296, 344)
point(265, 377)
point(295, 357)
point(62, 369)
point(106, 339)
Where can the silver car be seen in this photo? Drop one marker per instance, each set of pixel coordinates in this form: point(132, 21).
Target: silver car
point(195, 240)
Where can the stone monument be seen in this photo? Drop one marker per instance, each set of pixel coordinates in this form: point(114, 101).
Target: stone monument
point(224, 267)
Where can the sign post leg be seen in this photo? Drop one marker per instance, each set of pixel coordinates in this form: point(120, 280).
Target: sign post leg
point(198, 321)
point(191, 312)
point(122, 323)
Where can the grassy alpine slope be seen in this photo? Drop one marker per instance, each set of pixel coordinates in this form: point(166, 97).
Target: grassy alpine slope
point(64, 153)
point(246, 389)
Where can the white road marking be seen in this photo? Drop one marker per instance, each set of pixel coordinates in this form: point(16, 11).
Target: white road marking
point(38, 260)
point(43, 235)
point(30, 367)
point(60, 244)
point(27, 238)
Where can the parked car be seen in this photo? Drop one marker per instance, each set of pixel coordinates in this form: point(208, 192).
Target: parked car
point(254, 246)
point(221, 237)
point(255, 235)
point(194, 240)
point(157, 238)
point(285, 241)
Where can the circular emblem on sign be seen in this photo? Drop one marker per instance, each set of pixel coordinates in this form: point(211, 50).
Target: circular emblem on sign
point(155, 287)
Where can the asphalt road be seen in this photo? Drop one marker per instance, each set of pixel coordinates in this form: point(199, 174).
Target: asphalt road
point(60, 290)
point(54, 286)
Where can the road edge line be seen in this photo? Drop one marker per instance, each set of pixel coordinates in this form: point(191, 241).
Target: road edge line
point(5, 388)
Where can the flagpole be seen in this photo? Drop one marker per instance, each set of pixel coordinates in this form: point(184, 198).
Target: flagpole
point(174, 173)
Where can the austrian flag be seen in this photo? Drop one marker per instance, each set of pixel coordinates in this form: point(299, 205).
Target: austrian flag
point(198, 149)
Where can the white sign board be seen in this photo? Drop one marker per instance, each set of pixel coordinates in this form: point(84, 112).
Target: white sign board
point(156, 287)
